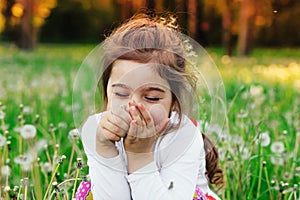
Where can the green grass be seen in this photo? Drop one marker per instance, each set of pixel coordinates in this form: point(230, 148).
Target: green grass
point(263, 96)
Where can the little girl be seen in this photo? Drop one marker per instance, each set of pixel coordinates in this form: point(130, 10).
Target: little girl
point(144, 145)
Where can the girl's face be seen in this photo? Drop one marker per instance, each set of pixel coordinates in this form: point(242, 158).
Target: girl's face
point(138, 82)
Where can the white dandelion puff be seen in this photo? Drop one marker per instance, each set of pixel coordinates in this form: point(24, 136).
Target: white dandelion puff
point(74, 134)
point(2, 114)
point(277, 147)
point(242, 114)
point(245, 154)
point(298, 171)
point(256, 91)
point(5, 170)
point(2, 140)
point(24, 159)
point(47, 167)
point(6, 188)
point(276, 160)
point(28, 131)
point(27, 110)
point(17, 129)
point(62, 125)
point(263, 139)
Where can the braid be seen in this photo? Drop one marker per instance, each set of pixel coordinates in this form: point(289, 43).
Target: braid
point(213, 171)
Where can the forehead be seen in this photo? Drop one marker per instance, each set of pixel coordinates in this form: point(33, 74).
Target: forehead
point(134, 74)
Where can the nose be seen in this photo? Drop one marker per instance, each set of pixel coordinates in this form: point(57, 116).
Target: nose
point(135, 98)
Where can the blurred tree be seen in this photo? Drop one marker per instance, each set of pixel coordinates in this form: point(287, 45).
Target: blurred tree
point(28, 16)
point(81, 21)
point(2, 18)
point(246, 27)
point(192, 20)
point(242, 18)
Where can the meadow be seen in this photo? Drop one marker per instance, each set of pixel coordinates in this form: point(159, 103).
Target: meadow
point(41, 155)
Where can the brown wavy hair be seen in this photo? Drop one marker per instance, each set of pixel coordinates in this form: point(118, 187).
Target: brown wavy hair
point(157, 39)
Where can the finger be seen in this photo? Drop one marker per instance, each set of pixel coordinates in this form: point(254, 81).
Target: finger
point(109, 135)
point(135, 115)
point(123, 114)
point(113, 128)
point(146, 116)
point(132, 129)
point(117, 123)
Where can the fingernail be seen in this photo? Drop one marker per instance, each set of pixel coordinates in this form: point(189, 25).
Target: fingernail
point(132, 108)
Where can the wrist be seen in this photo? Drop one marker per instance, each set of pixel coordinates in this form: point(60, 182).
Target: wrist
point(107, 149)
point(137, 161)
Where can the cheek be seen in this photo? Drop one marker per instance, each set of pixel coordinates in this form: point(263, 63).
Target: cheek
point(158, 113)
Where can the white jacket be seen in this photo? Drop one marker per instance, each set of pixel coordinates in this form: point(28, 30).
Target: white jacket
point(179, 165)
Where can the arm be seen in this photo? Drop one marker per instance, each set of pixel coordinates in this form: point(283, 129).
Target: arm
point(181, 159)
point(107, 173)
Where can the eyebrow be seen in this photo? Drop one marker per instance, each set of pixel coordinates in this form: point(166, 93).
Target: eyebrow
point(120, 85)
point(154, 89)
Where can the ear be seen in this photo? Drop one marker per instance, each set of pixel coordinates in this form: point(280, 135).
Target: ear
point(174, 107)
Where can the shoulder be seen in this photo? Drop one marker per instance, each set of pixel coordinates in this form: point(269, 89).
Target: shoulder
point(184, 141)
point(88, 132)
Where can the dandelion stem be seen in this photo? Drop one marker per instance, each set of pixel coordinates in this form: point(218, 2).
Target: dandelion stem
point(19, 192)
point(25, 192)
point(48, 156)
point(296, 149)
point(51, 181)
point(260, 173)
point(75, 182)
point(268, 182)
point(37, 190)
point(71, 159)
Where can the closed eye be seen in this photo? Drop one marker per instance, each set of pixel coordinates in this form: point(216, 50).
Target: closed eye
point(123, 95)
point(152, 98)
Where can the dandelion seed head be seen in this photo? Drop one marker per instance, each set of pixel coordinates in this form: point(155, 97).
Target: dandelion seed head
point(28, 131)
point(62, 125)
point(242, 114)
point(277, 147)
point(244, 153)
point(23, 159)
point(40, 145)
point(256, 91)
point(298, 171)
point(263, 139)
point(16, 188)
point(2, 114)
point(284, 132)
point(17, 129)
point(47, 167)
point(74, 134)
point(5, 170)
point(54, 183)
point(6, 188)
point(273, 182)
point(236, 139)
point(27, 110)
point(2, 140)
point(275, 160)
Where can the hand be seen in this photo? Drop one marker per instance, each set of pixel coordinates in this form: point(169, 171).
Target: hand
point(112, 127)
point(142, 132)
point(141, 136)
